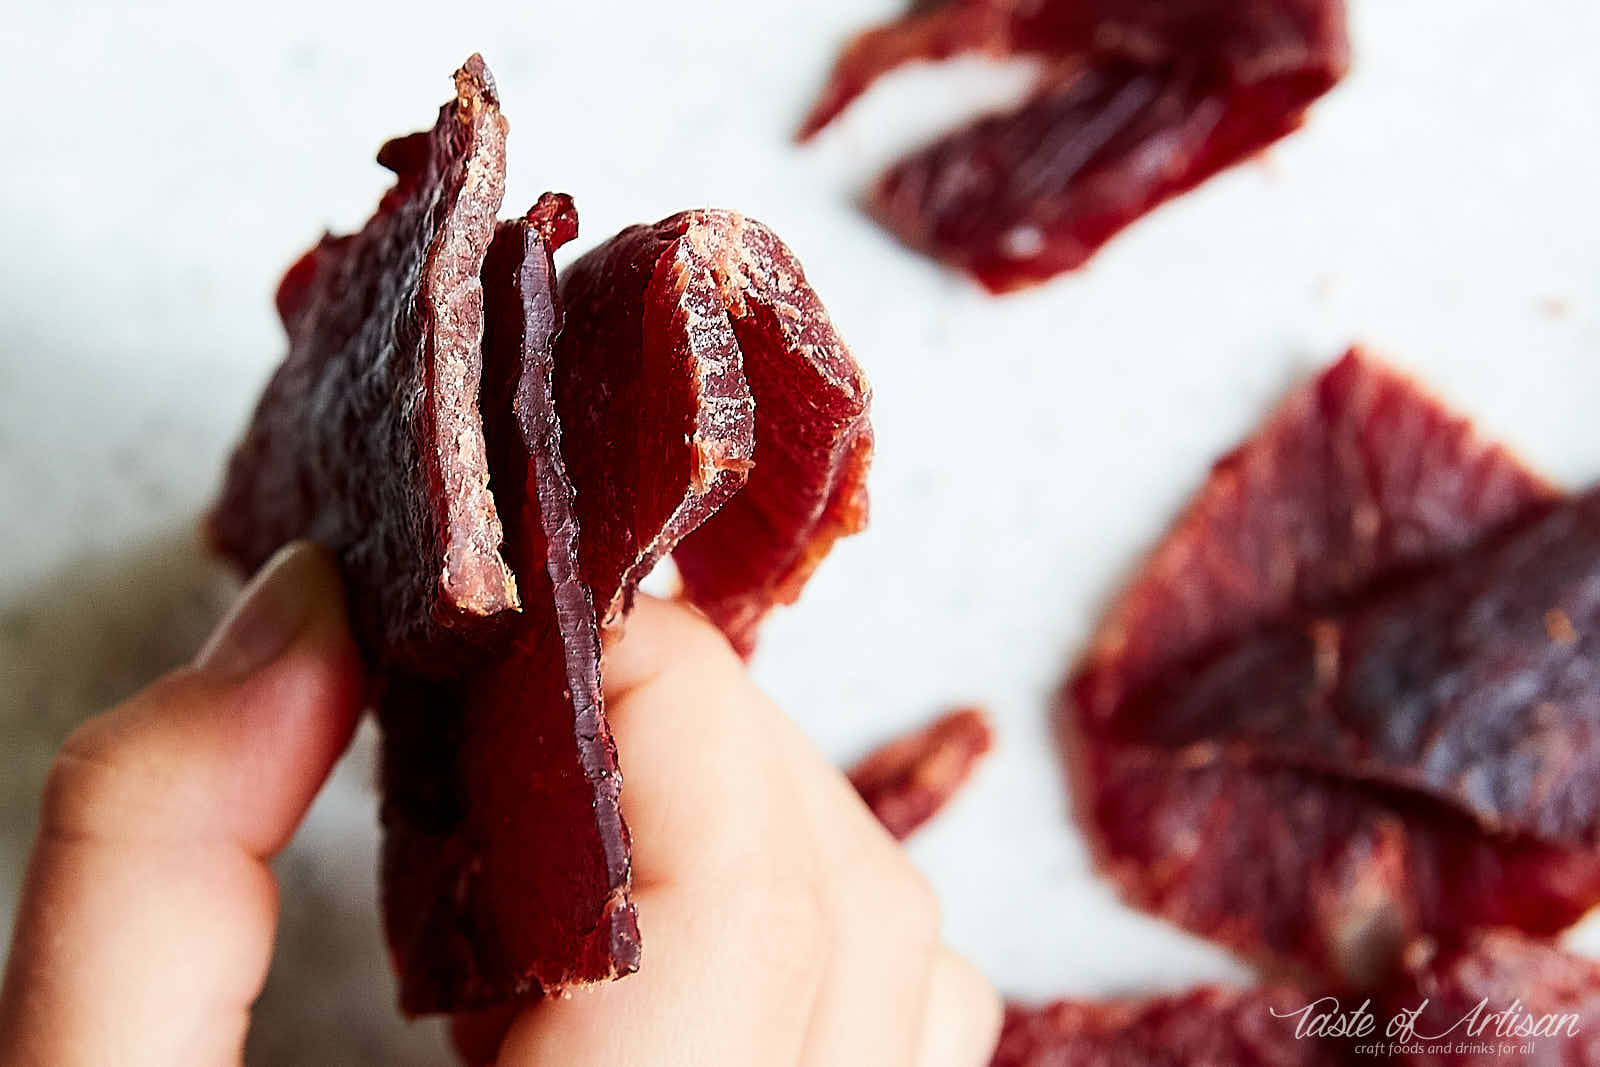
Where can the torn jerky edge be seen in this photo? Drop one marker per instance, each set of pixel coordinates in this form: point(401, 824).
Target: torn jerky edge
point(368, 437)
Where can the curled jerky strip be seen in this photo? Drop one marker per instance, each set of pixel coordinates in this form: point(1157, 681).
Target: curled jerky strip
point(909, 780)
point(649, 355)
point(368, 437)
point(1136, 103)
point(1366, 505)
point(697, 344)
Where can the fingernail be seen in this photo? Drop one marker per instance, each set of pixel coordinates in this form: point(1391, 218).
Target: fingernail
point(268, 615)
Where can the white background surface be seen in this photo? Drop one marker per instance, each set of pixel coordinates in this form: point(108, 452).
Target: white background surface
point(160, 166)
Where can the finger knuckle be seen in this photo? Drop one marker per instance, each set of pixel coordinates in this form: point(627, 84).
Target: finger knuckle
point(702, 640)
point(82, 784)
point(914, 903)
point(788, 926)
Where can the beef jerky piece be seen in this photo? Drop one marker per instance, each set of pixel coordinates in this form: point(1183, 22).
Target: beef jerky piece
point(1478, 682)
point(505, 862)
point(1207, 1027)
point(1359, 482)
point(907, 781)
point(368, 437)
point(1330, 876)
point(1499, 998)
point(697, 345)
point(1017, 198)
point(1358, 477)
point(1138, 102)
point(1246, 41)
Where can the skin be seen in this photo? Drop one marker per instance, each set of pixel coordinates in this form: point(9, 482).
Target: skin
point(146, 923)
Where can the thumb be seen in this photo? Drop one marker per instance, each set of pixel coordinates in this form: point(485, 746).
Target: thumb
point(146, 921)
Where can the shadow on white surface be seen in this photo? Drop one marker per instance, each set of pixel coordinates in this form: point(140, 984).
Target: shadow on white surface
point(95, 631)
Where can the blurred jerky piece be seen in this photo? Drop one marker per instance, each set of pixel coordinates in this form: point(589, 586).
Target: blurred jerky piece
point(368, 437)
point(1500, 998)
point(505, 860)
point(697, 345)
point(692, 368)
point(1357, 488)
point(1358, 478)
point(1207, 1027)
point(1331, 876)
point(1477, 681)
point(1137, 102)
point(907, 781)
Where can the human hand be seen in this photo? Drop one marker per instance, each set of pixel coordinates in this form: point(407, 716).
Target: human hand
point(782, 925)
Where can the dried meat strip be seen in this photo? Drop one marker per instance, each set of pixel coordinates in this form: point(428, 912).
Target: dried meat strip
point(1206, 1027)
point(507, 860)
point(695, 370)
point(1332, 877)
point(1357, 477)
point(909, 780)
point(1478, 682)
point(1359, 487)
point(1137, 103)
point(1499, 998)
point(697, 344)
point(368, 437)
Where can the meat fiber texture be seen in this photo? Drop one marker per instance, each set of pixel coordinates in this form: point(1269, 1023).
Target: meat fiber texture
point(368, 437)
point(1136, 103)
point(1349, 702)
point(451, 419)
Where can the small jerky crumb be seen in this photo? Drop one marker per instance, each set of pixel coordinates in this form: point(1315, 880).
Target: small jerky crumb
point(910, 779)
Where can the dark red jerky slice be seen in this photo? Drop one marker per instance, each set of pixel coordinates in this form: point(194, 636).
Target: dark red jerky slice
point(758, 463)
point(1359, 482)
point(1358, 477)
point(520, 886)
point(368, 437)
point(1206, 1027)
point(506, 865)
point(658, 421)
point(1247, 41)
point(1328, 876)
point(1478, 682)
point(907, 781)
point(1139, 103)
point(1016, 199)
point(1500, 998)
